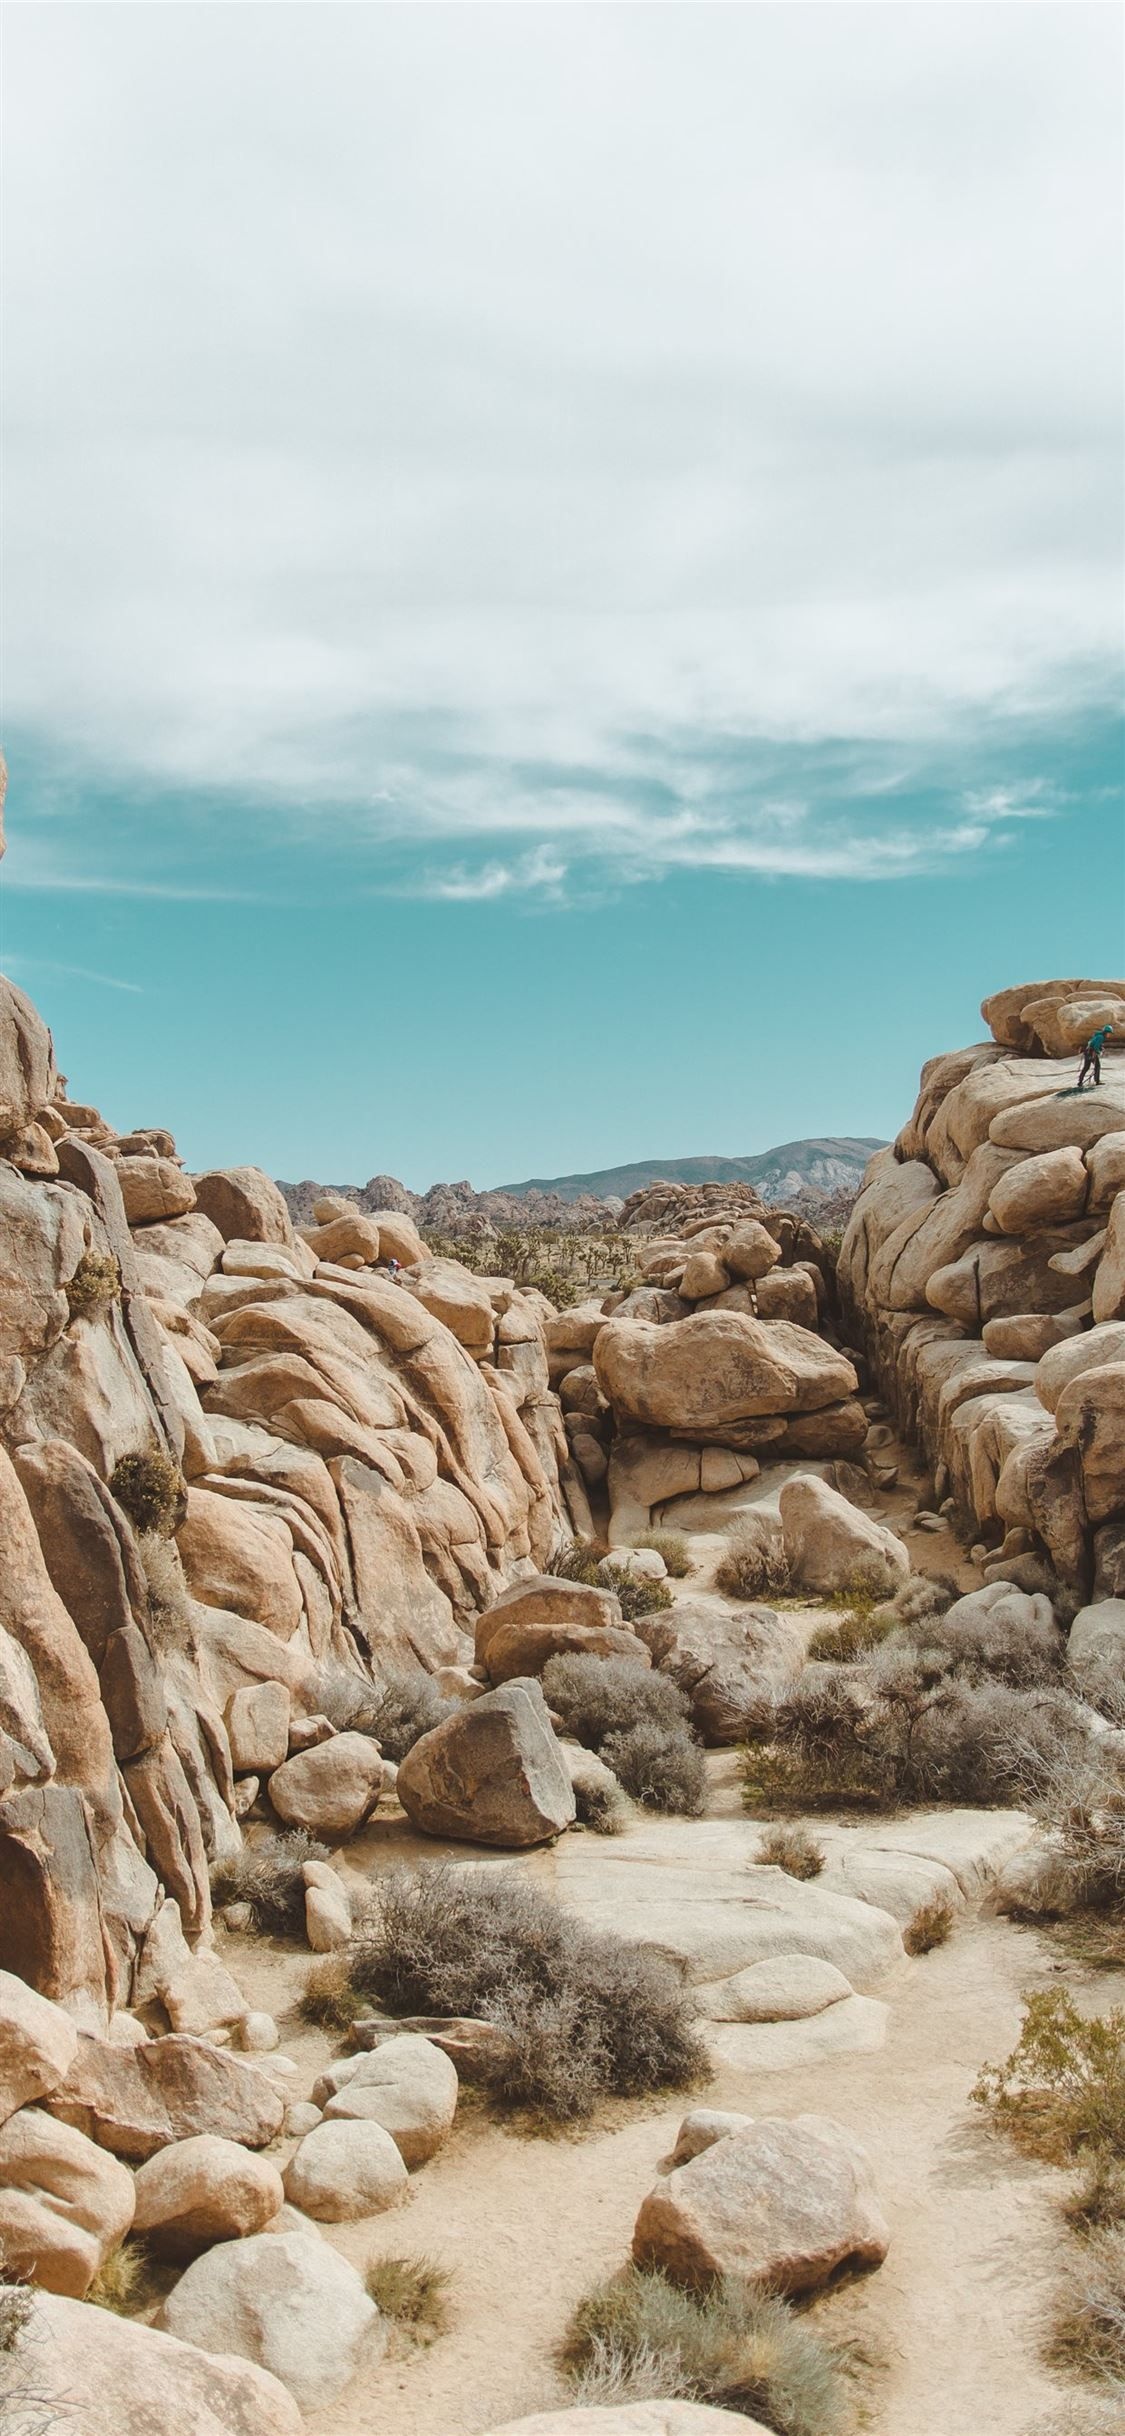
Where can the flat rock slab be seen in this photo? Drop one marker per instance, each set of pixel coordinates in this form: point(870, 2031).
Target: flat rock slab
point(858, 2026)
point(788, 1989)
point(972, 1844)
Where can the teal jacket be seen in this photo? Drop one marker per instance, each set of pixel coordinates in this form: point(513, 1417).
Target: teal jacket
point(1097, 1040)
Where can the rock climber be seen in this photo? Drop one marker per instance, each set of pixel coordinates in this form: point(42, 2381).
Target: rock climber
point(1092, 1054)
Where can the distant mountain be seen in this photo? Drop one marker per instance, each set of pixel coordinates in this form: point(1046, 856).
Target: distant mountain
point(831, 1164)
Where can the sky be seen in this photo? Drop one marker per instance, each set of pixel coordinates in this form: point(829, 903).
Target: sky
point(564, 564)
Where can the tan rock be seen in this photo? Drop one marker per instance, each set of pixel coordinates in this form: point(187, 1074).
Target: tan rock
point(134, 2100)
point(38, 2045)
point(704, 1273)
point(1027, 1335)
point(456, 1298)
point(32, 1150)
point(27, 1060)
point(244, 1204)
point(1090, 1419)
point(635, 2419)
point(491, 1774)
point(288, 2302)
point(154, 1189)
point(1090, 1351)
point(1109, 1281)
point(787, 2204)
point(544, 1600)
point(1106, 1162)
point(133, 2380)
point(257, 1721)
point(399, 1238)
point(64, 2205)
point(331, 1788)
point(1045, 1191)
point(717, 1368)
point(788, 1988)
point(410, 2087)
point(830, 1544)
point(751, 1251)
point(196, 2192)
point(346, 2169)
point(240, 1557)
point(343, 1235)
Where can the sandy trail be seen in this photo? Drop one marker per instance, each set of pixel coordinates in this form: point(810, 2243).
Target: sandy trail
point(950, 2326)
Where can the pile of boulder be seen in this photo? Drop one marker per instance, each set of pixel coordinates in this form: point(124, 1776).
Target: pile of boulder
point(984, 1270)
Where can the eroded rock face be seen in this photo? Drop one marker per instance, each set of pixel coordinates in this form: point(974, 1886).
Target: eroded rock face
point(64, 2205)
point(785, 2204)
point(493, 1775)
point(136, 2100)
point(830, 1544)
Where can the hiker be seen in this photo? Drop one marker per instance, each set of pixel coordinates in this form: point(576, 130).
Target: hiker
point(1092, 1054)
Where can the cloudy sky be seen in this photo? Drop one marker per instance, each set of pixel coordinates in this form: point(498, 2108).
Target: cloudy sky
point(564, 563)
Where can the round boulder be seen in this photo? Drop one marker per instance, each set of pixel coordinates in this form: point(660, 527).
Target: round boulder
point(345, 2169)
point(409, 2087)
point(197, 2192)
point(332, 1787)
point(288, 2302)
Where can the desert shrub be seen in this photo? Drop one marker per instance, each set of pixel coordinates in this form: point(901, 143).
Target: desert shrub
point(151, 1492)
point(639, 2337)
point(931, 1925)
point(665, 1771)
point(861, 1629)
point(604, 1808)
point(268, 1876)
point(1098, 2200)
point(412, 2291)
point(1103, 1685)
point(637, 1597)
point(96, 1284)
point(16, 2307)
point(990, 1648)
point(1062, 2089)
point(792, 1849)
point(1079, 1801)
point(1088, 2333)
point(906, 1728)
point(123, 2280)
point(328, 1998)
point(23, 2410)
point(396, 1712)
point(673, 1547)
point(637, 1720)
point(169, 1600)
point(577, 1561)
point(750, 1570)
point(585, 2015)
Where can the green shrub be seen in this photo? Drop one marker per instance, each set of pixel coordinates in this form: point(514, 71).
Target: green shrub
point(638, 1597)
point(96, 1284)
point(931, 1925)
point(749, 1569)
point(1061, 2091)
point(861, 1629)
point(269, 1877)
point(151, 1492)
point(328, 1998)
point(792, 1849)
point(577, 1561)
point(585, 2016)
point(639, 2337)
point(673, 1547)
point(1088, 2333)
point(412, 2291)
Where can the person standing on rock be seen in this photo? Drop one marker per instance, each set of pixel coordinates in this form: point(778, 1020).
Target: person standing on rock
point(1092, 1055)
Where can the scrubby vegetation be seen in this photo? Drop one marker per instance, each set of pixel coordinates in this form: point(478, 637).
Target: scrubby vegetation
point(578, 1562)
point(639, 2337)
point(604, 1808)
point(96, 1284)
point(566, 1266)
point(328, 1999)
point(123, 2279)
point(412, 2291)
point(749, 1569)
point(861, 1629)
point(1088, 2331)
point(151, 1491)
point(396, 1712)
point(1079, 1800)
point(269, 1877)
point(169, 1600)
point(673, 1547)
point(931, 1925)
point(584, 2016)
point(792, 1849)
point(636, 1719)
point(1061, 2092)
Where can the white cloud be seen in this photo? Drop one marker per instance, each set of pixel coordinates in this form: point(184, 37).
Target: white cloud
point(550, 379)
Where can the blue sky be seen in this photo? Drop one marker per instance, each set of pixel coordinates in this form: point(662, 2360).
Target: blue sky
point(564, 565)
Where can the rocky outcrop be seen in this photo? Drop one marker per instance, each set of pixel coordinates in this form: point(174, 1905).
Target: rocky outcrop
point(984, 1269)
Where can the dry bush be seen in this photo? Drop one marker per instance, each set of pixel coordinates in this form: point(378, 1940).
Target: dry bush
point(23, 2410)
point(586, 2016)
point(920, 1596)
point(861, 1629)
point(1061, 2092)
point(580, 1561)
point(577, 1561)
point(396, 1712)
point(96, 1284)
point(792, 1849)
point(637, 1720)
point(987, 1648)
point(412, 2291)
point(268, 1876)
point(931, 1925)
point(169, 1599)
point(328, 1998)
point(749, 1570)
point(604, 1808)
point(1098, 2200)
point(639, 2337)
point(673, 1547)
point(124, 2279)
point(16, 2306)
point(151, 1491)
point(1079, 1800)
point(1088, 2333)
point(664, 1771)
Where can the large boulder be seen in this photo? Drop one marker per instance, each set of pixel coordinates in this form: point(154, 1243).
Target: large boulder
point(154, 1189)
point(409, 2087)
point(1109, 1282)
point(491, 1775)
point(1090, 1419)
point(240, 1557)
point(331, 1788)
point(244, 1204)
point(346, 2168)
point(257, 1722)
point(725, 1661)
point(196, 2192)
point(27, 1060)
point(831, 1544)
point(1045, 1191)
point(1097, 1636)
point(716, 1369)
point(783, 2204)
point(134, 2382)
point(543, 1618)
point(38, 2045)
point(135, 2100)
point(64, 2205)
point(286, 2301)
